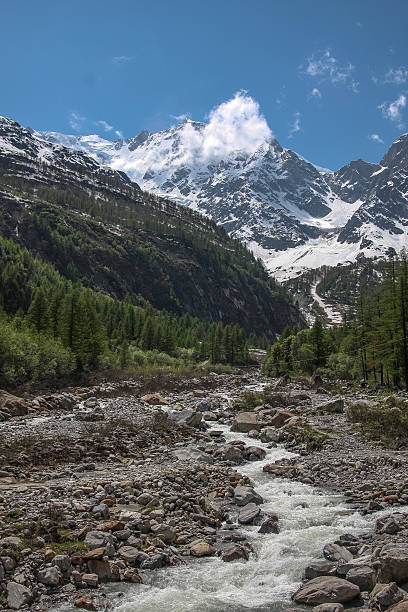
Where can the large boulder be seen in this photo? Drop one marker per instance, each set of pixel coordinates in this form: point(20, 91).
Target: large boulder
point(107, 571)
point(248, 514)
point(394, 563)
point(98, 539)
point(254, 453)
point(384, 596)
point(11, 405)
point(245, 495)
point(280, 418)
point(201, 548)
point(17, 595)
point(246, 421)
point(50, 576)
point(320, 568)
point(186, 417)
point(326, 589)
point(364, 577)
point(333, 406)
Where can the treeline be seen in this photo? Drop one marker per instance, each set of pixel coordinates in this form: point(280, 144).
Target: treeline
point(51, 327)
point(371, 344)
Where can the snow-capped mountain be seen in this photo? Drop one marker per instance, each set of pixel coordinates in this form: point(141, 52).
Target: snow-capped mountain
point(290, 212)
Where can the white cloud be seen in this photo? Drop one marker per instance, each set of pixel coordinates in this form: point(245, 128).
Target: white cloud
point(393, 110)
point(119, 134)
point(121, 59)
point(316, 93)
point(105, 125)
point(394, 76)
point(397, 76)
point(235, 125)
point(376, 138)
point(76, 120)
point(295, 127)
point(326, 67)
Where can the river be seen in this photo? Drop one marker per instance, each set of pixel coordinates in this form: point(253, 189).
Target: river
point(308, 519)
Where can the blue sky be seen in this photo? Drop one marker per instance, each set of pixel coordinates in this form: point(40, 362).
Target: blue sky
point(330, 77)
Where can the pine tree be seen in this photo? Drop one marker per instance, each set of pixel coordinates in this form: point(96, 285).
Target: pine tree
point(38, 315)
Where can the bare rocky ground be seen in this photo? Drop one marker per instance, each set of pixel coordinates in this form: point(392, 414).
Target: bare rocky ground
point(100, 484)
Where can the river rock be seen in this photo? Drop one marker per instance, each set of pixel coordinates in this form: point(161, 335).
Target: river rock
point(364, 577)
point(154, 399)
point(154, 562)
point(269, 525)
point(130, 575)
point(234, 553)
point(320, 568)
point(97, 539)
point(335, 552)
point(334, 406)
point(254, 453)
point(231, 452)
point(394, 563)
point(245, 495)
point(248, 514)
point(326, 589)
point(385, 595)
point(49, 576)
point(186, 417)
point(11, 405)
point(245, 421)
point(281, 417)
point(90, 579)
point(107, 571)
point(86, 602)
point(129, 554)
point(270, 434)
point(17, 595)
point(201, 548)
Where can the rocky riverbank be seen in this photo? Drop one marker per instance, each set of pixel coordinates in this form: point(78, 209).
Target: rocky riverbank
point(100, 485)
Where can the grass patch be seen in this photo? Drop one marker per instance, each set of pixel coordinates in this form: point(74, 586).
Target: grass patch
point(312, 438)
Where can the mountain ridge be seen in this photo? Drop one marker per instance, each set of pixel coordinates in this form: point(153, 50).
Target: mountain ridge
point(290, 212)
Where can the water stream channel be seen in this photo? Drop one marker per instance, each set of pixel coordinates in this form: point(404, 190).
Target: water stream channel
point(308, 519)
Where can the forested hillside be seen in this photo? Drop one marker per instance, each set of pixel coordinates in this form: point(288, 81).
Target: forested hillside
point(51, 327)
point(96, 226)
point(372, 344)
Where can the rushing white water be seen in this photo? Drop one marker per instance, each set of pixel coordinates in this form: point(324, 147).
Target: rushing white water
point(307, 518)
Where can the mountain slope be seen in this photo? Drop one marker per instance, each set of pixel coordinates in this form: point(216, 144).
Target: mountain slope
point(95, 225)
point(289, 212)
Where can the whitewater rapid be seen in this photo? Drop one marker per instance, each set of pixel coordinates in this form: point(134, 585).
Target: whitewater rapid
point(308, 519)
